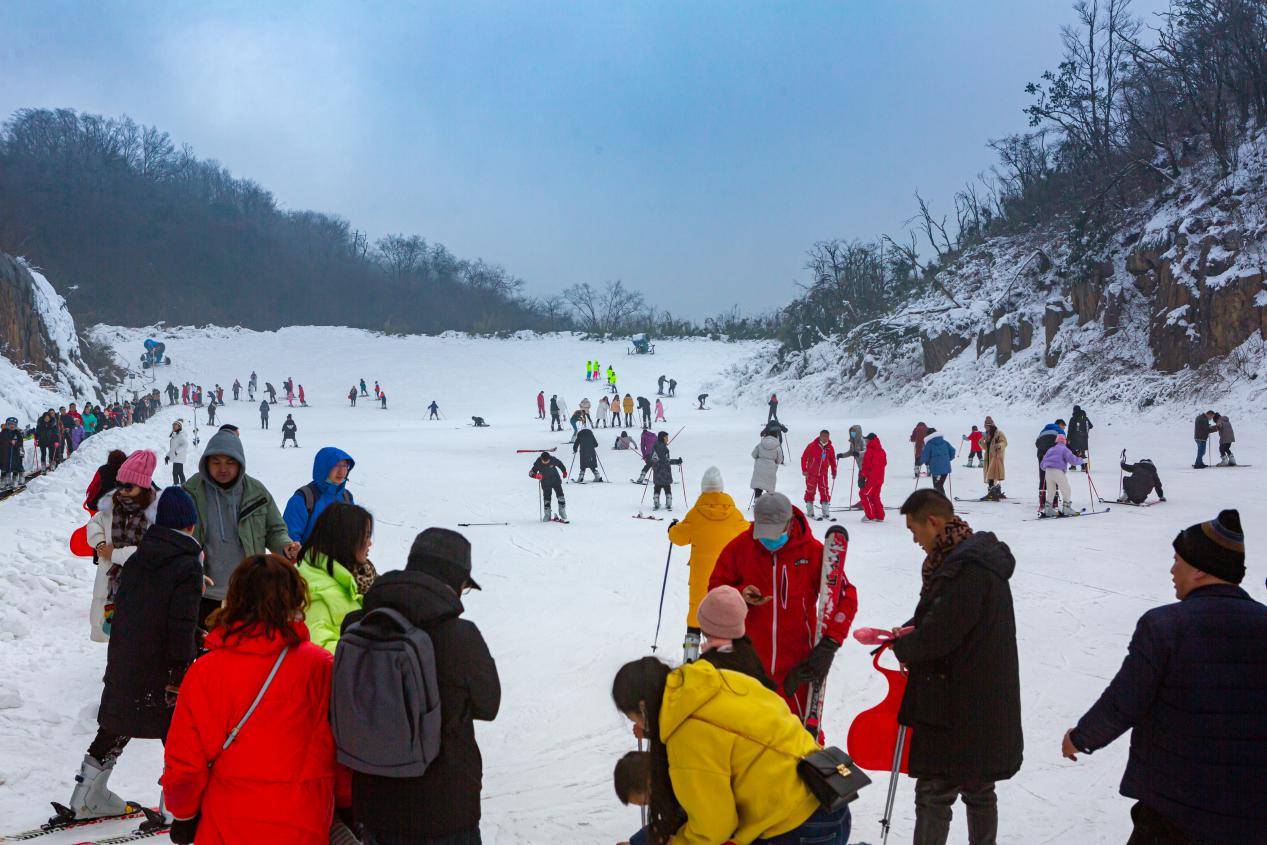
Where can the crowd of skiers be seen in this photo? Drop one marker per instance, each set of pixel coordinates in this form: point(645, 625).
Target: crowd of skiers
point(224, 617)
point(56, 435)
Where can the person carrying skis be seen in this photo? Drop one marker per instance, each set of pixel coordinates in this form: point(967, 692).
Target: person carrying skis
point(871, 479)
point(177, 448)
point(817, 462)
point(550, 471)
point(939, 457)
point(152, 644)
point(433, 411)
point(644, 410)
point(1079, 434)
point(1056, 463)
point(587, 444)
point(917, 437)
point(541, 404)
point(1191, 693)
point(647, 448)
point(995, 444)
point(1141, 481)
point(711, 523)
point(662, 472)
point(1205, 426)
point(659, 411)
point(767, 457)
point(237, 390)
point(659, 390)
point(352, 396)
point(290, 431)
point(264, 413)
point(1226, 438)
point(623, 442)
point(777, 565)
point(974, 446)
point(963, 695)
point(330, 469)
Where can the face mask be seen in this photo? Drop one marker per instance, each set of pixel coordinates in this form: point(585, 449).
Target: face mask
point(775, 544)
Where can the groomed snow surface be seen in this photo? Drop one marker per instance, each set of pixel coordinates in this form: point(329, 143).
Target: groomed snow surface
point(564, 606)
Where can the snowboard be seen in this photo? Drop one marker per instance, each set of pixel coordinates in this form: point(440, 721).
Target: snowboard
point(831, 593)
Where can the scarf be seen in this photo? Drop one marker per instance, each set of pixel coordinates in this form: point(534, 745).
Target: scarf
point(955, 532)
point(127, 522)
point(365, 575)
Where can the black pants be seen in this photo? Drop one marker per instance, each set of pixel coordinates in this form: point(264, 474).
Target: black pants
point(263, 422)
point(433, 416)
point(939, 484)
point(289, 438)
point(933, 801)
point(555, 488)
point(1152, 828)
point(554, 421)
point(628, 420)
point(107, 746)
point(178, 473)
point(666, 489)
point(1225, 449)
point(646, 419)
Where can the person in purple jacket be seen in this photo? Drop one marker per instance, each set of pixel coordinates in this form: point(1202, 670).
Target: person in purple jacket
point(647, 447)
point(1057, 461)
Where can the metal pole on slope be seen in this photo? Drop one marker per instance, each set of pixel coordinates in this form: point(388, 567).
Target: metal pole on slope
point(686, 498)
point(663, 587)
point(898, 750)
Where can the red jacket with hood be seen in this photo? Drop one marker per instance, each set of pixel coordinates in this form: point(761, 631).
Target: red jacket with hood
point(874, 460)
point(782, 630)
point(818, 458)
point(276, 782)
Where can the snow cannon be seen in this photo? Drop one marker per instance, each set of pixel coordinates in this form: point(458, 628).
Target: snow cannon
point(640, 345)
point(154, 354)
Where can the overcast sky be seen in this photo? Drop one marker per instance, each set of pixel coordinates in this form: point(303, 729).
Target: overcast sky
point(694, 150)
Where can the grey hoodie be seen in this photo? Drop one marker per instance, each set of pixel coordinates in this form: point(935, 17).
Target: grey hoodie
point(223, 545)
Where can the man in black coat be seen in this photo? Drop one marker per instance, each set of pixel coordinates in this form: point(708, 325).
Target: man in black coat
point(963, 697)
point(443, 804)
point(1202, 429)
point(550, 471)
point(152, 643)
point(587, 444)
point(1140, 482)
point(1192, 692)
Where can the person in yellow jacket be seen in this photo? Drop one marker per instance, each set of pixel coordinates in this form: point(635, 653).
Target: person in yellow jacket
point(628, 405)
point(724, 752)
point(707, 527)
point(334, 562)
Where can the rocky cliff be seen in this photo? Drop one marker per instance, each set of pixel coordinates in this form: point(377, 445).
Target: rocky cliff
point(1173, 310)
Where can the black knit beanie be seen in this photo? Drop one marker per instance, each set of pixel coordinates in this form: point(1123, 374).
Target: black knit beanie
point(1216, 547)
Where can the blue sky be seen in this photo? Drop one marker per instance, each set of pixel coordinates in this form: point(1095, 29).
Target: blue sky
point(692, 149)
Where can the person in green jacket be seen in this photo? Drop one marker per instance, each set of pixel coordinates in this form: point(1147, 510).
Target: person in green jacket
point(90, 423)
point(335, 563)
point(237, 517)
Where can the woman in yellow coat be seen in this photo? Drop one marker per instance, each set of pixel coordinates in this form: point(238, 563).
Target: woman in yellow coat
point(724, 751)
point(707, 527)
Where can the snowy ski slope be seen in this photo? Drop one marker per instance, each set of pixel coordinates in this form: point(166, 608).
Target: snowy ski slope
point(564, 605)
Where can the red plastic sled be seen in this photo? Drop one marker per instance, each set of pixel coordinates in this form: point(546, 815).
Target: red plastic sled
point(873, 734)
point(79, 542)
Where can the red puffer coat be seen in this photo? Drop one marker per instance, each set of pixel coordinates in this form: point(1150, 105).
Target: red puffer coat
point(276, 783)
point(874, 462)
point(782, 630)
point(818, 459)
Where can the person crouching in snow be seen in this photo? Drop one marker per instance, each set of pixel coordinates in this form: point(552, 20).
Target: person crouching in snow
point(711, 523)
point(1056, 463)
point(871, 479)
point(817, 461)
point(550, 471)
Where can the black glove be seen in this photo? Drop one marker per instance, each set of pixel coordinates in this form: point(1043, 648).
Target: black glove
point(813, 668)
point(677, 462)
point(862, 481)
point(184, 830)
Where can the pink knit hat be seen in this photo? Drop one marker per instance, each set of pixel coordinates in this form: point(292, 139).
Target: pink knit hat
point(138, 469)
point(1060, 438)
point(722, 614)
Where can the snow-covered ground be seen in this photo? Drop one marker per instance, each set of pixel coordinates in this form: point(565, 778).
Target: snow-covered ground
point(564, 605)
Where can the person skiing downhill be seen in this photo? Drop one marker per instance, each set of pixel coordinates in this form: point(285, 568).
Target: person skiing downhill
point(939, 457)
point(818, 461)
point(662, 472)
point(767, 457)
point(777, 565)
point(917, 437)
point(711, 523)
point(433, 410)
point(587, 444)
point(871, 479)
point(289, 431)
point(1079, 434)
point(974, 446)
point(995, 444)
point(1055, 464)
point(550, 472)
point(264, 413)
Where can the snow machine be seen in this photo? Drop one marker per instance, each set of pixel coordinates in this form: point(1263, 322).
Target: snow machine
point(640, 345)
point(154, 354)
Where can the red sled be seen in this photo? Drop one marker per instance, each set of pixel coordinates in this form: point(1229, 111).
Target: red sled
point(873, 735)
point(79, 542)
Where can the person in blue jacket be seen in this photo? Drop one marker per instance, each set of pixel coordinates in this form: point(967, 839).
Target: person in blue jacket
point(938, 456)
point(330, 470)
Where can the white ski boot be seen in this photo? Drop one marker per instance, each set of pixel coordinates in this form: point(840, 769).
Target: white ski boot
point(92, 798)
point(1231, 459)
point(668, 501)
point(547, 516)
point(1067, 510)
point(1048, 511)
point(1222, 461)
point(824, 509)
point(655, 501)
point(563, 511)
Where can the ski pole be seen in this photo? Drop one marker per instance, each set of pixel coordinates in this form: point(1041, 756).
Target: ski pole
point(642, 501)
point(663, 586)
point(853, 475)
point(679, 431)
point(1120, 471)
point(600, 465)
point(572, 465)
point(897, 769)
point(686, 497)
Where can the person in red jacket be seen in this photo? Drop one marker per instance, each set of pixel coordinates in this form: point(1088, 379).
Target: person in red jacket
point(541, 404)
point(777, 565)
point(277, 781)
point(818, 459)
point(917, 437)
point(871, 479)
point(974, 447)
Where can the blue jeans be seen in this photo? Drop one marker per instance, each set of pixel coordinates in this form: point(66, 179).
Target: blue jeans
point(470, 836)
point(1201, 444)
point(822, 828)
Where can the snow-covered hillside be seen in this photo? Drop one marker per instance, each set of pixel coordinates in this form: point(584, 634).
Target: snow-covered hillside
point(564, 605)
point(1174, 310)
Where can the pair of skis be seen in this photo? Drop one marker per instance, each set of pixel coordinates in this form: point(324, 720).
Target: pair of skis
point(153, 826)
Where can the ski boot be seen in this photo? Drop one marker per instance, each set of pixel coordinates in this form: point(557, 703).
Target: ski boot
point(1067, 510)
point(1047, 511)
point(1231, 459)
point(824, 509)
point(1222, 461)
point(563, 511)
point(547, 516)
point(668, 501)
point(690, 646)
point(655, 501)
point(91, 798)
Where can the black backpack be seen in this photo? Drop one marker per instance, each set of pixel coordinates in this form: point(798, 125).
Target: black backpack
point(311, 492)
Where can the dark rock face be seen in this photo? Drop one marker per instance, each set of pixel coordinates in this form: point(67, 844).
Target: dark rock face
point(23, 338)
point(940, 349)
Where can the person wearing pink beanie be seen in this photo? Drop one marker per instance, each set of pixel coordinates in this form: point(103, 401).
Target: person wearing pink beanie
point(722, 615)
point(138, 469)
point(115, 531)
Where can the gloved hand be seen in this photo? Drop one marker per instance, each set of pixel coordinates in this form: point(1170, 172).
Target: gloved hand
point(677, 462)
point(671, 524)
point(183, 831)
point(813, 668)
point(167, 459)
point(862, 481)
